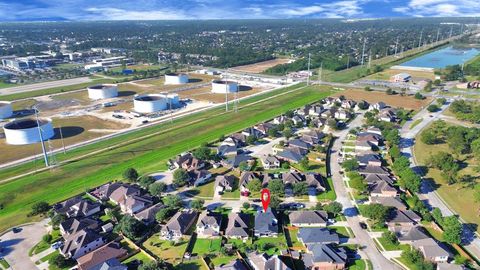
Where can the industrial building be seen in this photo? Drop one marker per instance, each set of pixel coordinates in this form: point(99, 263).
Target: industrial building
point(26, 63)
point(222, 87)
point(27, 131)
point(102, 91)
point(6, 110)
point(176, 78)
point(155, 102)
point(100, 64)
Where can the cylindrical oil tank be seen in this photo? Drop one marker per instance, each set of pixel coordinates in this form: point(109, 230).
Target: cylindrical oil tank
point(222, 87)
point(176, 78)
point(102, 91)
point(6, 110)
point(27, 131)
point(149, 103)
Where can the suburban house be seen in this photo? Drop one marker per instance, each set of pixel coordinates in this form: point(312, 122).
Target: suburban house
point(315, 110)
point(299, 144)
point(401, 77)
point(325, 257)
point(318, 122)
point(348, 104)
point(270, 162)
point(313, 136)
point(198, 177)
point(450, 266)
point(119, 195)
point(304, 111)
point(308, 218)
point(147, 215)
point(234, 141)
point(77, 207)
point(378, 106)
point(178, 225)
point(105, 254)
point(208, 225)
point(365, 171)
point(245, 178)
point(369, 159)
point(394, 202)
point(234, 161)
point(382, 189)
point(105, 191)
point(264, 262)
point(342, 114)
point(263, 128)
point(226, 150)
point(134, 204)
point(266, 224)
point(236, 264)
point(309, 236)
point(224, 183)
point(74, 225)
point(414, 234)
point(363, 146)
point(372, 138)
point(80, 243)
point(298, 120)
point(187, 162)
point(431, 250)
point(387, 115)
point(280, 120)
point(252, 132)
point(111, 264)
point(313, 180)
point(237, 226)
point(401, 221)
point(292, 154)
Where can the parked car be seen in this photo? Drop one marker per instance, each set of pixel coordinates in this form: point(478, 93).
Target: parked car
point(363, 225)
point(16, 230)
point(57, 245)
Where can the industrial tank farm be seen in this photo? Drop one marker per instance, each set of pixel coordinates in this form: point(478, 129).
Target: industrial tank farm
point(222, 87)
point(176, 78)
point(102, 91)
point(6, 110)
point(27, 131)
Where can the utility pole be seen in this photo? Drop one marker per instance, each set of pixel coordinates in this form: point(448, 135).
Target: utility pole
point(363, 51)
point(438, 33)
point(451, 31)
point(63, 143)
point(320, 72)
point(45, 156)
point(348, 61)
point(226, 90)
point(420, 41)
point(308, 72)
point(369, 58)
point(396, 46)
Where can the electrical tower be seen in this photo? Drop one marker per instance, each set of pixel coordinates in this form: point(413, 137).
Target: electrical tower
point(308, 71)
point(363, 51)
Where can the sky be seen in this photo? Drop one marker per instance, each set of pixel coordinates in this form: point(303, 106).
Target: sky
point(78, 10)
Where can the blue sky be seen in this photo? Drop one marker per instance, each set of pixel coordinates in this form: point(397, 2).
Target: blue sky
point(24, 10)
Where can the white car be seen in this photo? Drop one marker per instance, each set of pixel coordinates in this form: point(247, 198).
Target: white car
point(57, 245)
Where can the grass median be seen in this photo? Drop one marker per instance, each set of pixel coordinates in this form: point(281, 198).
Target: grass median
point(147, 150)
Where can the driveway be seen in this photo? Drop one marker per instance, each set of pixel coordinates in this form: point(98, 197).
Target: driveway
point(16, 245)
point(262, 150)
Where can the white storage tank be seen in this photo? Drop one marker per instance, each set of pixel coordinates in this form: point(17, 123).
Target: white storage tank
point(102, 91)
point(222, 87)
point(6, 110)
point(176, 78)
point(26, 131)
point(149, 103)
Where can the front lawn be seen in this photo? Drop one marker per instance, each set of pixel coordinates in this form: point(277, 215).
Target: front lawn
point(358, 264)
point(329, 194)
point(341, 231)
point(388, 246)
point(205, 246)
point(204, 191)
point(271, 245)
point(294, 242)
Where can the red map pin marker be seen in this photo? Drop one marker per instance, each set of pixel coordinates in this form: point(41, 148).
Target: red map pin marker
point(265, 198)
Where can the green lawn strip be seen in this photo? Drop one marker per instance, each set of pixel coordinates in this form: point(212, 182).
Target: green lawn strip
point(329, 194)
point(357, 264)
point(204, 190)
point(341, 231)
point(49, 256)
point(205, 246)
point(4, 263)
point(191, 265)
point(54, 90)
point(415, 123)
point(294, 238)
point(167, 250)
point(140, 256)
point(408, 264)
point(42, 245)
point(390, 246)
point(147, 155)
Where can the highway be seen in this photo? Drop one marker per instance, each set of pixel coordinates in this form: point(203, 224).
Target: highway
point(43, 85)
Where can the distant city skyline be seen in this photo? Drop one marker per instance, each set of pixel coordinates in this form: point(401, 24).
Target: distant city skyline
point(79, 10)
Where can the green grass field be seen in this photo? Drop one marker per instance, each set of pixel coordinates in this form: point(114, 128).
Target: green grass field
point(148, 152)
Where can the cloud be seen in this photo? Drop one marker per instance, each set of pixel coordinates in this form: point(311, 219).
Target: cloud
point(121, 14)
point(440, 8)
point(338, 9)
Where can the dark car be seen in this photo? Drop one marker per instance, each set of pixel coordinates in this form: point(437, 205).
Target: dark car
point(16, 230)
point(363, 225)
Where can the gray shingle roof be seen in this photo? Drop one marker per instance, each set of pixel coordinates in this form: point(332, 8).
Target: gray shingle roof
point(317, 236)
point(322, 253)
point(308, 217)
point(266, 222)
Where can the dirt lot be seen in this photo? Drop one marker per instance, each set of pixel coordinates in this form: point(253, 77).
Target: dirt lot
point(407, 102)
point(194, 79)
point(261, 66)
point(205, 94)
point(416, 75)
point(74, 130)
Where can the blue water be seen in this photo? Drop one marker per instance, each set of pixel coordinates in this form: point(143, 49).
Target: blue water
point(442, 58)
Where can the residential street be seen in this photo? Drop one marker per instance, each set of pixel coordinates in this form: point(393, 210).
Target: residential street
point(361, 236)
point(15, 246)
point(427, 193)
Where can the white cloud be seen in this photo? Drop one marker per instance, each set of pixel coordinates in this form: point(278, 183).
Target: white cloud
point(440, 8)
point(339, 9)
point(121, 14)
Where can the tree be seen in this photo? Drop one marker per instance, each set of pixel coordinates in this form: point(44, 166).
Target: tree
point(246, 205)
point(419, 96)
point(180, 177)
point(452, 230)
point(202, 153)
point(255, 185)
point(47, 238)
point(156, 189)
point(428, 137)
point(332, 123)
point(151, 265)
point(130, 227)
point(392, 136)
point(441, 101)
point(197, 204)
point(437, 216)
point(304, 164)
point(58, 218)
point(243, 166)
point(350, 165)
point(251, 140)
point(146, 181)
point(300, 189)
point(389, 91)
point(59, 261)
point(272, 132)
point(390, 237)
point(173, 201)
point(475, 148)
point(367, 88)
point(130, 174)
point(394, 152)
point(376, 212)
point(357, 182)
point(276, 187)
point(163, 214)
point(333, 208)
point(289, 113)
point(39, 208)
point(432, 108)
point(437, 82)
point(287, 133)
point(274, 202)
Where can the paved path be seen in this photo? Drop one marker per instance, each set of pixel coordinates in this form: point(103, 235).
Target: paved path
point(43, 85)
point(427, 193)
point(361, 236)
point(16, 245)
